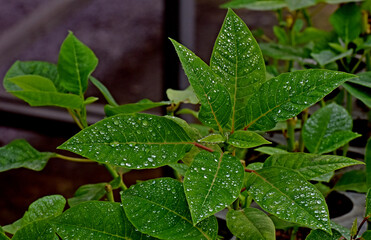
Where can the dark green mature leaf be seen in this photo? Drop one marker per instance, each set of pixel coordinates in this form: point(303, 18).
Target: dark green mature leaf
point(246, 139)
point(340, 1)
point(326, 56)
point(2, 235)
point(367, 235)
point(310, 165)
point(96, 220)
point(368, 162)
point(361, 92)
point(279, 51)
point(271, 150)
point(19, 153)
point(286, 194)
point(88, 192)
point(297, 4)
point(40, 229)
point(43, 208)
point(132, 141)
point(43, 69)
point(105, 92)
point(142, 105)
point(347, 22)
point(187, 95)
point(250, 223)
point(212, 182)
point(322, 235)
point(262, 5)
point(368, 203)
point(287, 95)
point(352, 181)
point(215, 100)
point(328, 129)
point(159, 208)
point(75, 64)
point(239, 63)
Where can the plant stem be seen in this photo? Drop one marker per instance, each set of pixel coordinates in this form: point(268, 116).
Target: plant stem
point(307, 17)
point(75, 118)
point(304, 118)
point(236, 204)
point(291, 134)
point(203, 147)
point(109, 193)
point(73, 159)
point(293, 233)
point(114, 174)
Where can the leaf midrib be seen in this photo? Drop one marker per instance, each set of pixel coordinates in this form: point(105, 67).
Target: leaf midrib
point(77, 66)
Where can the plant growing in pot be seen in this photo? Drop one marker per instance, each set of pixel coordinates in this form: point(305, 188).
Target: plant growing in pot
point(238, 104)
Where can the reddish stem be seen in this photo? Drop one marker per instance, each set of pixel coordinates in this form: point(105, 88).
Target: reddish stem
point(203, 147)
point(243, 189)
point(248, 170)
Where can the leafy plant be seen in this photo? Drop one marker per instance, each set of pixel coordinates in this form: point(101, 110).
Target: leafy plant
point(237, 104)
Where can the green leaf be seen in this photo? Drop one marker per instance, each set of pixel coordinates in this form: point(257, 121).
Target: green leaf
point(353, 229)
point(340, 1)
point(33, 83)
point(186, 96)
point(43, 208)
point(212, 138)
point(246, 139)
point(96, 220)
point(325, 177)
point(360, 92)
point(40, 229)
point(271, 150)
point(354, 180)
point(215, 100)
point(212, 182)
point(187, 111)
point(255, 166)
point(310, 165)
point(367, 235)
point(281, 224)
point(250, 223)
point(239, 63)
point(37, 68)
point(159, 208)
point(90, 100)
point(322, 235)
point(88, 192)
point(363, 79)
point(2, 235)
point(368, 162)
point(328, 129)
point(105, 92)
point(324, 189)
point(347, 22)
point(181, 168)
point(75, 64)
point(286, 194)
point(132, 141)
point(260, 5)
point(287, 95)
point(142, 105)
point(283, 52)
point(298, 4)
point(326, 56)
point(19, 153)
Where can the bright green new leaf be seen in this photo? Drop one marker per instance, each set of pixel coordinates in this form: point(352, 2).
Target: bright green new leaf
point(361, 92)
point(216, 106)
point(310, 165)
point(19, 153)
point(142, 105)
point(43, 208)
point(322, 235)
point(90, 100)
point(298, 4)
point(239, 63)
point(271, 150)
point(33, 83)
point(287, 95)
point(368, 162)
point(246, 139)
point(286, 194)
point(40, 229)
point(186, 96)
point(96, 220)
point(260, 5)
point(250, 223)
point(75, 64)
point(255, 166)
point(326, 56)
point(159, 208)
point(212, 138)
point(354, 180)
point(353, 229)
point(212, 182)
point(180, 168)
point(279, 51)
point(328, 129)
point(88, 192)
point(347, 22)
point(132, 141)
point(187, 111)
point(105, 92)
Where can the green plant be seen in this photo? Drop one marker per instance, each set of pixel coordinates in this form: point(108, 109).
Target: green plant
point(238, 104)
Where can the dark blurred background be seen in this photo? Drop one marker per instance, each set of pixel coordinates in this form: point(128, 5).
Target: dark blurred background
point(136, 61)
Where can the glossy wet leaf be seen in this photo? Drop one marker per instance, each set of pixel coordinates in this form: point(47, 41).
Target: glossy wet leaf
point(142, 105)
point(328, 129)
point(287, 95)
point(284, 52)
point(322, 235)
point(19, 153)
point(212, 138)
point(271, 150)
point(212, 182)
point(286, 194)
point(186, 96)
point(298, 4)
point(239, 63)
point(361, 92)
point(262, 5)
point(75, 64)
point(246, 139)
point(40, 229)
point(368, 162)
point(43, 208)
point(255, 166)
point(88, 192)
point(250, 224)
point(105, 92)
point(159, 208)
point(181, 168)
point(281, 224)
point(215, 100)
point(326, 56)
point(354, 180)
point(325, 177)
point(96, 220)
point(347, 22)
point(310, 165)
point(132, 141)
